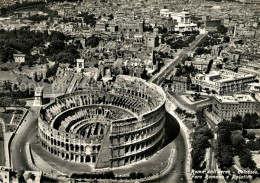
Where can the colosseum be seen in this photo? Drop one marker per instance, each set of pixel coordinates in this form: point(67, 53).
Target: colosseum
point(106, 125)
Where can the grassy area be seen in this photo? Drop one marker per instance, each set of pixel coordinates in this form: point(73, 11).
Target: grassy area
point(2, 153)
point(17, 118)
point(10, 128)
point(6, 117)
point(189, 124)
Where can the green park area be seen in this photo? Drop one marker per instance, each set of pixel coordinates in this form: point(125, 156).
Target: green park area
point(6, 117)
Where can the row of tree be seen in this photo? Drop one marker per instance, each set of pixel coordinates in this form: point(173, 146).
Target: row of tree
point(185, 70)
point(201, 141)
point(18, 5)
point(105, 175)
point(38, 18)
point(184, 112)
point(202, 50)
point(249, 121)
point(209, 41)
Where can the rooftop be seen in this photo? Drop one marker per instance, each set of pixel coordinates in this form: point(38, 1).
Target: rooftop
point(236, 98)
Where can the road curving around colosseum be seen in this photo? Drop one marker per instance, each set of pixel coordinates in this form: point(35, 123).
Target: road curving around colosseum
point(26, 133)
point(176, 174)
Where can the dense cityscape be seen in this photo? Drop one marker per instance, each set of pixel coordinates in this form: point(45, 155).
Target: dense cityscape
point(129, 91)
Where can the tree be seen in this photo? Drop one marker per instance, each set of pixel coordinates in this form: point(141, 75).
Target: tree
point(178, 72)
point(111, 16)
point(222, 29)
point(251, 135)
point(238, 142)
point(224, 137)
point(148, 29)
point(139, 175)
point(199, 115)
point(253, 145)
point(38, 18)
point(52, 71)
point(237, 119)
point(92, 41)
point(200, 143)
point(162, 30)
point(7, 86)
point(209, 66)
point(235, 126)
point(5, 102)
point(206, 131)
point(197, 155)
point(109, 175)
point(201, 50)
point(219, 66)
point(32, 176)
point(55, 47)
point(57, 36)
point(144, 74)
point(225, 156)
point(250, 120)
point(35, 76)
point(89, 19)
point(235, 70)
point(132, 175)
point(245, 159)
point(226, 39)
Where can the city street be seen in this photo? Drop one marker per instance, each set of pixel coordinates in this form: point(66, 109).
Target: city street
point(167, 69)
point(211, 123)
point(190, 107)
point(26, 133)
point(177, 173)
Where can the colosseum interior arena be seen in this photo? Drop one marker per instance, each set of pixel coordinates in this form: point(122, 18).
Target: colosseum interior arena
point(109, 125)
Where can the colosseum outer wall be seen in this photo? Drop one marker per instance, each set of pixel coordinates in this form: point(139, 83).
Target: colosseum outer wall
point(124, 141)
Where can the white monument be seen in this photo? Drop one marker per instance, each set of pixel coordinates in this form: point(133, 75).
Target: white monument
point(38, 95)
point(80, 65)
